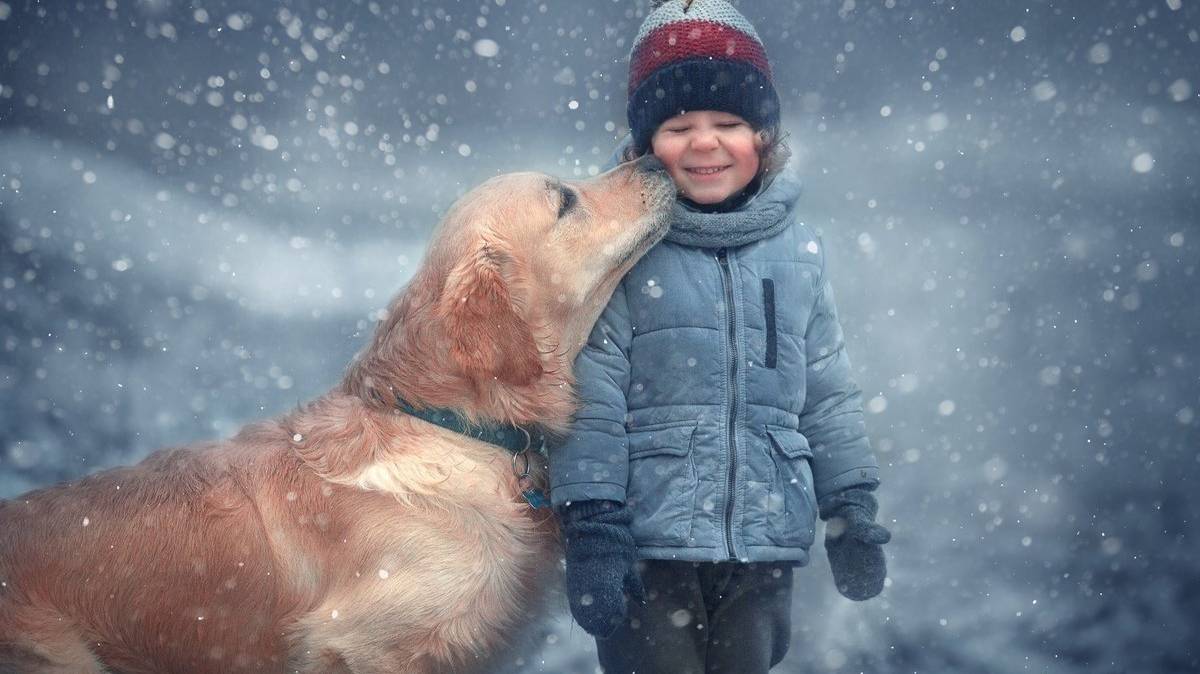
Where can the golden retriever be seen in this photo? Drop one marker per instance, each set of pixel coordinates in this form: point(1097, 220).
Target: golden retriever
point(349, 536)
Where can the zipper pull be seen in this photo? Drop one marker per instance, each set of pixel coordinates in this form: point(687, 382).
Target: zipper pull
point(721, 255)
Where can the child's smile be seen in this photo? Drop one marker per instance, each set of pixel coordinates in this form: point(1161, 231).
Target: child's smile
point(710, 155)
point(701, 172)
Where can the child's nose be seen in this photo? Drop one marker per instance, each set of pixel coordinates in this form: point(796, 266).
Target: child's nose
point(704, 140)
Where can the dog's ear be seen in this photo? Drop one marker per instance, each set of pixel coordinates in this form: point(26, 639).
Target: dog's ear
point(488, 338)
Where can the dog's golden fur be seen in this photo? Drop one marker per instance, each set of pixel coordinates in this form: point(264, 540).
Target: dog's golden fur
point(347, 536)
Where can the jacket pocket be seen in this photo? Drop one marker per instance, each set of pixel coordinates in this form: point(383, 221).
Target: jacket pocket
point(769, 315)
point(662, 483)
point(793, 503)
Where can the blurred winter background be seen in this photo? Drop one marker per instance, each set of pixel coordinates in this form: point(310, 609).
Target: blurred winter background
point(206, 204)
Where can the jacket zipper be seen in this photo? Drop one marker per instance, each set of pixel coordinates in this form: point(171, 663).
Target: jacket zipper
point(727, 278)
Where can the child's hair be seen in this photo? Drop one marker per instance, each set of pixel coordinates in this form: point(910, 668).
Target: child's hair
point(702, 55)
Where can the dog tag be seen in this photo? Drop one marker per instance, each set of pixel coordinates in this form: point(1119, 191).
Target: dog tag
point(536, 498)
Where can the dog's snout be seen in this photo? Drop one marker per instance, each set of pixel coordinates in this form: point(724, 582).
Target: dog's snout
point(649, 163)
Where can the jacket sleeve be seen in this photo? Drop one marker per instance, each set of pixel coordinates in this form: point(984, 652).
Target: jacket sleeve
point(593, 460)
point(832, 418)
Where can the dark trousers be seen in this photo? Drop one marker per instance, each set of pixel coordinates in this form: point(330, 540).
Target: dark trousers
point(704, 618)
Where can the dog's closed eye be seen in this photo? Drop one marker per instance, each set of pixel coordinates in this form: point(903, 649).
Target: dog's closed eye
point(567, 198)
point(568, 202)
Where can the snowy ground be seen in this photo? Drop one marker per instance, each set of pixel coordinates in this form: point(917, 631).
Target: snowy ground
point(204, 209)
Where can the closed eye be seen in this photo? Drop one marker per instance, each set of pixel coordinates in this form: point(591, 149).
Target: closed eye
point(567, 200)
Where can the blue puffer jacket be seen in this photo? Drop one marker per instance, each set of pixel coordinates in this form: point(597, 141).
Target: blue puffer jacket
point(717, 400)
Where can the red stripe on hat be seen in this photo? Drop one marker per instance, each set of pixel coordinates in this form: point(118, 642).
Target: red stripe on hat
point(694, 38)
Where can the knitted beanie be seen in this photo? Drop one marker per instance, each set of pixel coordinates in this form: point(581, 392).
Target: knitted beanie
point(698, 55)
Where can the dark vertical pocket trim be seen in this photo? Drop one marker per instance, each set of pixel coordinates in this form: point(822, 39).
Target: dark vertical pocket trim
point(769, 311)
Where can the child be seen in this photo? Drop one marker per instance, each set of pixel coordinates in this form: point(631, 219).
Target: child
point(718, 415)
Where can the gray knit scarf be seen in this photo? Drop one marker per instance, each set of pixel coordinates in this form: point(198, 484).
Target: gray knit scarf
point(765, 214)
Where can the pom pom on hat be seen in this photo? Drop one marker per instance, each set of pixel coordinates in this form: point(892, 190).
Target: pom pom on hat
point(698, 55)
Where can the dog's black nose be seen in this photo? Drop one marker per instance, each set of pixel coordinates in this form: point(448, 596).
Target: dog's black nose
point(649, 163)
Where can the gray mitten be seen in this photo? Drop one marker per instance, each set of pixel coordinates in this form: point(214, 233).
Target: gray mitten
point(855, 542)
point(601, 558)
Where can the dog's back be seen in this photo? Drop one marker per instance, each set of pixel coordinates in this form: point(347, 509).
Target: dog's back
point(238, 556)
point(141, 560)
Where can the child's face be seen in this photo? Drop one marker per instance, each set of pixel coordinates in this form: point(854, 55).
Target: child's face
point(710, 155)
